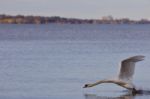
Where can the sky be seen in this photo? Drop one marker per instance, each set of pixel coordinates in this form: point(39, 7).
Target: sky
point(89, 9)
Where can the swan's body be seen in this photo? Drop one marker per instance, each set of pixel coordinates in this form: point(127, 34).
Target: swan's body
point(125, 76)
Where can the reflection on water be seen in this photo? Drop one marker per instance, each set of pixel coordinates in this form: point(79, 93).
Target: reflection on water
point(127, 95)
point(94, 96)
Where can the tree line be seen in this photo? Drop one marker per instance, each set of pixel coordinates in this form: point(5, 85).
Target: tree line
point(21, 19)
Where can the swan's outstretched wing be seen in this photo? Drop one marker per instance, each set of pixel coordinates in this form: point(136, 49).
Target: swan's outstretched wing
point(127, 67)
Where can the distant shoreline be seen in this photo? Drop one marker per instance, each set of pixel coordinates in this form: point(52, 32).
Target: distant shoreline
point(21, 19)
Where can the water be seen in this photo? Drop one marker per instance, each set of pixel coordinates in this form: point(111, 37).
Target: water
point(54, 61)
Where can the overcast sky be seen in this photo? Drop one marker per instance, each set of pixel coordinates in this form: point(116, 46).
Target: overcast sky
point(133, 9)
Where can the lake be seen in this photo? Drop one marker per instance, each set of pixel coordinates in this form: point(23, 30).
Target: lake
point(54, 61)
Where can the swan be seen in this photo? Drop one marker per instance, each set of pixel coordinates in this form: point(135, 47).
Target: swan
point(124, 79)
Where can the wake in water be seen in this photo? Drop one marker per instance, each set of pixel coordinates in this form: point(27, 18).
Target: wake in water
point(128, 95)
point(139, 92)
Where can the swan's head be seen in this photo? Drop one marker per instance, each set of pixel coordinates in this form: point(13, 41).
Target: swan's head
point(87, 85)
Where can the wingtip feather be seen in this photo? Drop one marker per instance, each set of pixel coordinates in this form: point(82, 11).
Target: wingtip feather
point(137, 58)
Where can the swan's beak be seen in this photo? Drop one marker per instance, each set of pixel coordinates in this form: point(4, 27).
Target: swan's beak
point(85, 86)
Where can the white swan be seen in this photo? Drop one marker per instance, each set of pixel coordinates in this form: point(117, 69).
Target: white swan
point(124, 78)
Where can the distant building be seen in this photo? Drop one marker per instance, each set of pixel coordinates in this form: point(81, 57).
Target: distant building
point(108, 18)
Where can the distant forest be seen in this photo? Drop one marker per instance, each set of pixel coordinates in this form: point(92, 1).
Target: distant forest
point(21, 19)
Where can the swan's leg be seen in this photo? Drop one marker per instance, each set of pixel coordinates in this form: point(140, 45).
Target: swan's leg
point(134, 91)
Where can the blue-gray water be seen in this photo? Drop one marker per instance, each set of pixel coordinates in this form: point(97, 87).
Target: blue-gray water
point(54, 61)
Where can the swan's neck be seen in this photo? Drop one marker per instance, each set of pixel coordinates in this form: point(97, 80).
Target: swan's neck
point(101, 81)
point(128, 86)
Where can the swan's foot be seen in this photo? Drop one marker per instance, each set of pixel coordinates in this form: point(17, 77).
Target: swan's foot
point(134, 91)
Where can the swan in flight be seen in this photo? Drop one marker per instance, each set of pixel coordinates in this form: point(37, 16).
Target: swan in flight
point(124, 79)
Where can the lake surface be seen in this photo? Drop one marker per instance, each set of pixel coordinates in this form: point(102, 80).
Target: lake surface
point(54, 61)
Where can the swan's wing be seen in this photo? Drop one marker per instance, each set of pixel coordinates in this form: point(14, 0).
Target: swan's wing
point(127, 67)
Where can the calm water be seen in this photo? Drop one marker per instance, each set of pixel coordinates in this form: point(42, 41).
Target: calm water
point(54, 61)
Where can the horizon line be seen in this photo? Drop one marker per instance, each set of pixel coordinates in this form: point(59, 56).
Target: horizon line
point(100, 18)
